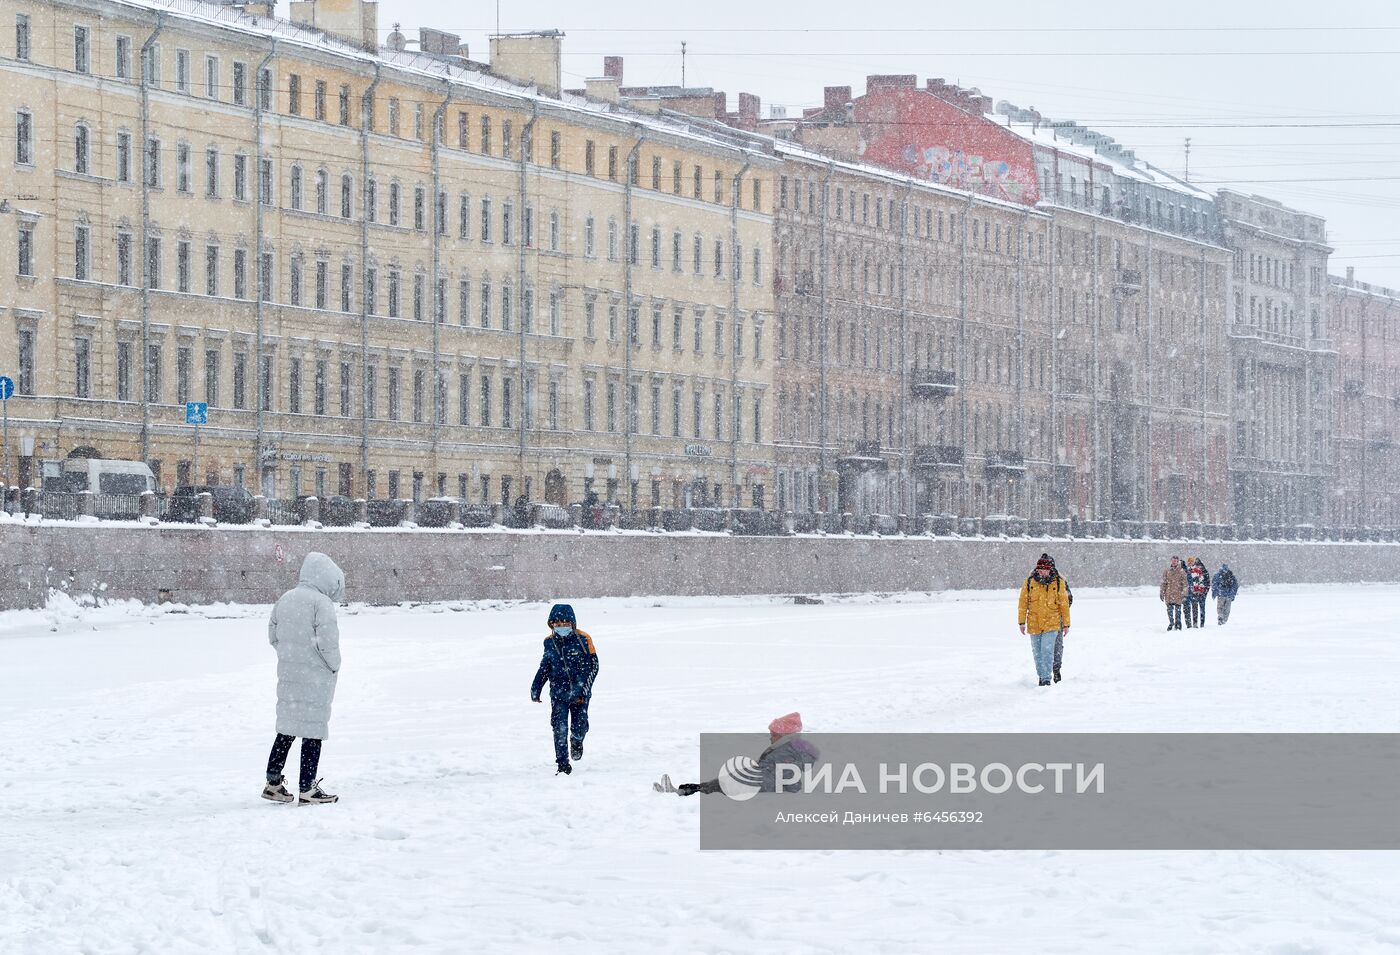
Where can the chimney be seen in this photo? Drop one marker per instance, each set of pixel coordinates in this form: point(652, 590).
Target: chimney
point(750, 108)
point(1351, 275)
point(612, 68)
point(602, 88)
point(902, 81)
point(530, 59)
point(835, 96)
point(439, 44)
point(355, 21)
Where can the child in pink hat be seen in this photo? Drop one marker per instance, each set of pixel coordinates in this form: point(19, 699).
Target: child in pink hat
point(786, 746)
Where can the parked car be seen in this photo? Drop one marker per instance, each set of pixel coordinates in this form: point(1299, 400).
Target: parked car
point(116, 486)
point(232, 504)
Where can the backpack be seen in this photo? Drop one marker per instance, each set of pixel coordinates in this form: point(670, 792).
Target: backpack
point(1068, 592)
point(1227, 580)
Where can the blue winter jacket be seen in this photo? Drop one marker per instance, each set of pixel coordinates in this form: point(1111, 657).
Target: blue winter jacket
point(1225, 583)
point(569, 665)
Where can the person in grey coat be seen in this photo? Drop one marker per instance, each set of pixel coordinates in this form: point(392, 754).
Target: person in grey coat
point(304, 633)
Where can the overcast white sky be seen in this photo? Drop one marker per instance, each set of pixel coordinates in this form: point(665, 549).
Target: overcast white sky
point(1297, 101)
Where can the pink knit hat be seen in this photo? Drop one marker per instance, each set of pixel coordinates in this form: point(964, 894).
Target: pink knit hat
point(786, 725)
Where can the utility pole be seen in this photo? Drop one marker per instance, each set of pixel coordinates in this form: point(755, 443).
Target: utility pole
point(682, 64)
point(1187, 175)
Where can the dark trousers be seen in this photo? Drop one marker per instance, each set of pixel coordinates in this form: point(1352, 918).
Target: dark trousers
point(1173, 616)
point(310, 759)
point(1059, 649)
point(561, 714)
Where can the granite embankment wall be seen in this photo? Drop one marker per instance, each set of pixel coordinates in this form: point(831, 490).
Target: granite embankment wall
point(205, 565)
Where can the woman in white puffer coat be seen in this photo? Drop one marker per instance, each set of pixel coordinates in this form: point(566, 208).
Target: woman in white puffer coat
point(303, 631)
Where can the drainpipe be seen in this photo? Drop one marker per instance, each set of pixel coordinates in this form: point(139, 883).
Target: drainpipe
point(824, 499)
point(627, 171)
point(1021, 342)
point(735, 195)
point(145, 237)
point(962, 354)
point(527, 135)
point(1094, 385)
point(1205, 382)
point(1147, 306)
point(365, 103)
point(258, 305)
point(905, 449)
point(1056, 470)
point(439, 293)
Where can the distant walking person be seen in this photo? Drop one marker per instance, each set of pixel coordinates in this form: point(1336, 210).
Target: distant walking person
point(1043, 614)
point(569, 666)
point(1197, 590)
point(1173, 592)
point(303, 630)
point(1224, 588)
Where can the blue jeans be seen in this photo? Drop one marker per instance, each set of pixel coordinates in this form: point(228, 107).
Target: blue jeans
point(1043, 649)
point(561, 714)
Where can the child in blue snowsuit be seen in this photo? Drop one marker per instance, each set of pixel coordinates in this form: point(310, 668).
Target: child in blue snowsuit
point(570, 665)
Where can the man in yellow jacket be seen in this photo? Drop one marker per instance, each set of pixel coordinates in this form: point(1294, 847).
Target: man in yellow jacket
point(1043, 613)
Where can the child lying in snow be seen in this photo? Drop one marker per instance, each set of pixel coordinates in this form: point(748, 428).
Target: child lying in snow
point(786, 747)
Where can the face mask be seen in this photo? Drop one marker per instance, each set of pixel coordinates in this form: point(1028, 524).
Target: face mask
point(563, 630)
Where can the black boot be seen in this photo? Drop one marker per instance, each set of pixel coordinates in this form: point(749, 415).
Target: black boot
point(1044, 682)
point(564, 768)
point(576, 748)
point(1057, 674)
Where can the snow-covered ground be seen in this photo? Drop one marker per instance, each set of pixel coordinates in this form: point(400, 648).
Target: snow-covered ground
point(132, 744)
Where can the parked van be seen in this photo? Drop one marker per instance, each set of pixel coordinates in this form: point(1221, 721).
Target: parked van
point(102, 476)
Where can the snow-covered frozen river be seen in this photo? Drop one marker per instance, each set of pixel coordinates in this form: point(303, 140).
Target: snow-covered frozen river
point(132, 746)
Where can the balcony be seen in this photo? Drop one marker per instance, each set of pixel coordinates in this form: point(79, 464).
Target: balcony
point(864, 456)
point(931, 457)
point(1127, 281)
point(1008, 463)
point(933, 382)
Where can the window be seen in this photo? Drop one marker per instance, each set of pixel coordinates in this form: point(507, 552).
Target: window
point(211, 172)
point(240, 177)
point(393, 116)
point(553, 230)
point(345, 106)
point(211, 270)
point(182, 266)
point(347, 282)
point(153, 367)
point(485, 417)
point(656, 173)
point(80, 149)
point(318, 388)
point(394, 203)
point(507, 208)
point(240, 380)
point(294, 386)
point(394, 289)
point(240, 273)
point(22, 37)
point(461, 131)
point(322, 190)
point(322, 281)
point(506, 146)
point(122, 66)
point(153, 262)
point(486, 219)
point(240, 84)
point(24, 138)
point(123, 371)
point(319, 100)
point(556, 149)
point(265, 181)
point(294, 282)
point(588, 386)
point(372, 201)
point(124, 258)
point(82, 368)
point(294, 94)
point(347, 188)
point(150, 65)
point(612, 163)
point(182, 374)
point(182, 167)
point(211, 377)
point(80, 50)
point(265, 382)
point(123, 157)
point(24, 383)
point(589, 158)
point(485, 144)
point(82, 256)
point(211, 77)
point(553, 413)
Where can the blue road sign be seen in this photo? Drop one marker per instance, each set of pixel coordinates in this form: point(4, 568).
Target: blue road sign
point(196, 412)
point(7, 388)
